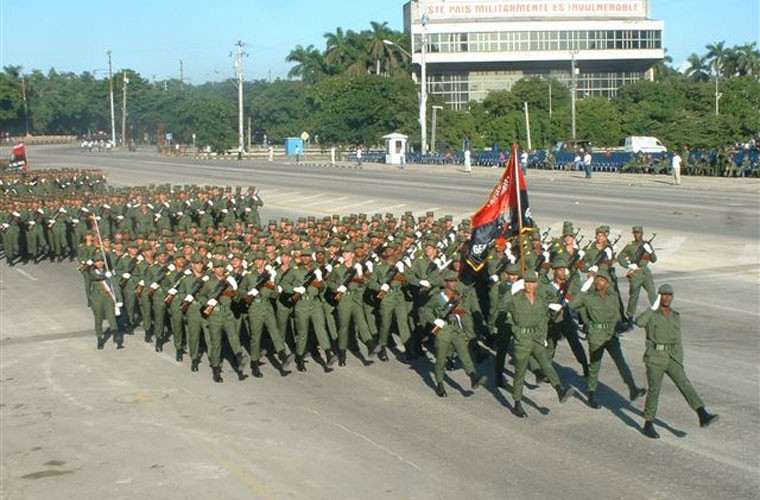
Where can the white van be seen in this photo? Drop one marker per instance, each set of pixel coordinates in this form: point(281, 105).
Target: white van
point(642, 144)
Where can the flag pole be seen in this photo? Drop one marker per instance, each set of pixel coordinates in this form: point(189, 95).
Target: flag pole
point(109, 286)
point(516, 177)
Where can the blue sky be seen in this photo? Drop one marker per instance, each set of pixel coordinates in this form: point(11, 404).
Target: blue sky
point(151, 37)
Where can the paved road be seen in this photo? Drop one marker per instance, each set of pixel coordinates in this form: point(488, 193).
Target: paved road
point(77, 422)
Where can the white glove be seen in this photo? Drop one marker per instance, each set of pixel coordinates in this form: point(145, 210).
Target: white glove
point(140, 258)
point(180, 213)
point(300, 289)
point(85, 210)
point(247, 209)
point(89, 262)
point(225, 211)
point(358, 268)
point(547, 257)
point(648, 248)
point(439, 323)
point(158, 216)
point(318, 274)
point(62, 210)
point(189, 298)
point(75, 221)
point(272, 275)
point(126, 276)
point(633, 267)
point(31, 223)
point(202, 212)
point(141, 282)
point(407, 261)
point(205, 278)
point(279, 289)
point(109, 274)
point(555, 307)
point(608, 253)
point(210, 203)
point(517, 286)
point(494, 278)
point(587, 284)
point(228, 268)
point(328, 268)
point(253, 292)
point(656, 303)
point(120, 217)
point(370, 266)
point(342, 289)
point(172, 291)
point(212, 303)
point(581, 254)
point(166, 204)
point(443, 263)
point(188, 272)
point(593, 269)
point(400, 267)
point(233, 282)
point(171, 267)
point(119, 305)
point(51, 221)
point(385, 287)
point(425, 283)
point(154, 286)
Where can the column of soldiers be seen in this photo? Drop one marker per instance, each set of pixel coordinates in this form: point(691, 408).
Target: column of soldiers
point(194, 266)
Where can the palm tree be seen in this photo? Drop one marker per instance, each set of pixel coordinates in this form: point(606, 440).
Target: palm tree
point(336, 51)
point(377, 49)
point(698, 70)
point(747, 60)
point(716, 56)
point(310, 64)
point(663, 69)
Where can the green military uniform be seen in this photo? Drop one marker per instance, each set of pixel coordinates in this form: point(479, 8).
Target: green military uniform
point(12, 238)
point(188, 290)
point(387, 281)
point(529, 331)
point(103, 304)
point(664, 356)
point(603, 314)
point(636, 257)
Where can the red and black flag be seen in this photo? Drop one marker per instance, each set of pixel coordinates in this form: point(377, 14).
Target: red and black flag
point(18, 157)
point(503, 215)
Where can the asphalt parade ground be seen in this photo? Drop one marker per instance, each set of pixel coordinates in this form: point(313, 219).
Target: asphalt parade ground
point(78, 423)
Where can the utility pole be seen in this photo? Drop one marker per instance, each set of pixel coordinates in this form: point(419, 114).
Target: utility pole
point(110, 93)
point(23, 98)
point(239, 73)
point(527, 125)
point(249, 132)
point(423, 89)
point(181, 76)
point(573, 91)
point(434, 125)
point(124, 110)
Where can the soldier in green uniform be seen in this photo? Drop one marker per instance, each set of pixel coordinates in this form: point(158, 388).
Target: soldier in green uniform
point(530, 313)
point(444, 312)
point(12, 238)
point(664, 356)
point(188, 292)
point(173, 282)
point(103, 302)
point(86, 251)
point(603, 312)
point(635, 257)
point(504, 323)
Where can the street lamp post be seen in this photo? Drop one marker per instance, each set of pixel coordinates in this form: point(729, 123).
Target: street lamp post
point(573, 91)
point(432, 137)
point(23, 99)
point(423, 89)
point(110, 90)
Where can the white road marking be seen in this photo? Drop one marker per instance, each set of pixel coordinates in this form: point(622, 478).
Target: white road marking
point(716, 306)
point(353, 205)
point(391, 207)
point(26, 274)
point(311, 197)
point(671, 245)
point(711, 275)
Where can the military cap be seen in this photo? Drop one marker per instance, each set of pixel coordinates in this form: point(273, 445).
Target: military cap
point(348, 247)
point(160, 250)
point(534, 236)
point(391, 245)
point(603, 229)
point(237, 255)
point(98, 257)
point(272, 222)
point(196, 258)
point(429, 213)
point(560, 260)
point(133, 244)
point(567, 228)
point(450, 275)
point(218, 263)
point(602, 273)
point(307, 251)
point(513, 268)
point(530, 276)
point(666, 289)
point(637, 229)
point(431, 242)
point(319, 250)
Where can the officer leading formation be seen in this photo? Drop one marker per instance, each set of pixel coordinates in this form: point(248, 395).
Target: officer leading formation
point(194, 266)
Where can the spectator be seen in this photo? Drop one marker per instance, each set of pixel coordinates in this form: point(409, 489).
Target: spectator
point(587, 164)
point(676, 164)
point(467, 161)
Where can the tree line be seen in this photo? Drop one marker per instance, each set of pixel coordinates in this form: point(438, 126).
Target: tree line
point(358, 88)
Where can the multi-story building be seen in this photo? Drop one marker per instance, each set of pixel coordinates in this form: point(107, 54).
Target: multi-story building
point(477, 46)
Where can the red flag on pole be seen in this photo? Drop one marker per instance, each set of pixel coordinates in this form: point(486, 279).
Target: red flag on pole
point(504, 214)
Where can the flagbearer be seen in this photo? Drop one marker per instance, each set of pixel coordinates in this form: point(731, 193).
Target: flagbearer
point(103, 302)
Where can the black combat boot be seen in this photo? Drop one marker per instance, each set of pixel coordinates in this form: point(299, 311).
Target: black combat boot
point(648, 430)
point(518, 411)
point(101, 342)
point(592, 402)
point(159, 345)
point(217, 372)
point(242, 360)
point(585, 370)
point(330, 361)
point(194, 365)
point(540, 378)
point(255, 371)
point(372, 348)
point(285, 359)
point(476, 381)
point(383, 354)
point(179, 355)
point(705, 418)
point(148, 337)
point(564, 394)
point(241, 375)
point(499, 381)
point(119, 337)
point(636, 393)
point(341, 357)
point(300, 366)
point(440, 390)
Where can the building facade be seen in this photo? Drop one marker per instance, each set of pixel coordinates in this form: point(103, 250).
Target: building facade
point(473, 47)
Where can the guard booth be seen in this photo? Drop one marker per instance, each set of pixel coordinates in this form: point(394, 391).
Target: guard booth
point(395, 148)
point(290, 146)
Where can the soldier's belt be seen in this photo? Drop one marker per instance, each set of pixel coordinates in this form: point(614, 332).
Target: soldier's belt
point(601, 325)
point(662, 347)
point(526, 331)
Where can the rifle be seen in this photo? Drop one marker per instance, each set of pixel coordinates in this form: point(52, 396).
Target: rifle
point(169, 295)
point(263, 279)
point(307, 281)
point(52, 221)
point(193, 292)
point(393, 276)
point(451, 307)
point(350, 276)
point(130, 270)
point(221, 289)
point(163, 274)
point(601, 255)
point(640, 252)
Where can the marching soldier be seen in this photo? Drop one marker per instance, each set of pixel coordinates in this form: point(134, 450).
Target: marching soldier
point(664, 356)
point(103, 302)
point(188, 292)
point(635, 257)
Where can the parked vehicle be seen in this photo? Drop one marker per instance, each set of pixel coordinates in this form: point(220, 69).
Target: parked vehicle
point(644, 144)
